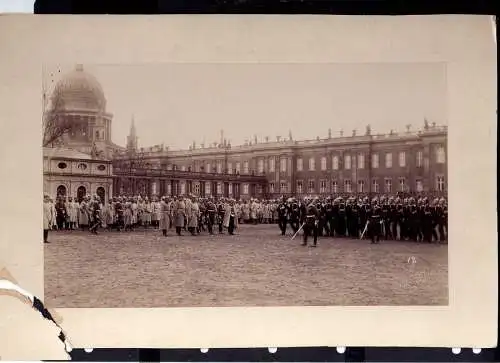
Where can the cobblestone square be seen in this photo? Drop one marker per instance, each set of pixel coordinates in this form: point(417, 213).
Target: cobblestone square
point(255, 267)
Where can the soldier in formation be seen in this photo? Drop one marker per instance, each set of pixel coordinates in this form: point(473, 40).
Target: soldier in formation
point(399, 218)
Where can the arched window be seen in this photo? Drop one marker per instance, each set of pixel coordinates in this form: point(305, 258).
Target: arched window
point(312, 164)
point(81, 193)
point(323, 163)
point(335, 162)
point(61, 191)
point(347, 162)
point(440, 155)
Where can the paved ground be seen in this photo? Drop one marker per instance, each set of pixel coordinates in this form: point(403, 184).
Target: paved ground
point(257, 267)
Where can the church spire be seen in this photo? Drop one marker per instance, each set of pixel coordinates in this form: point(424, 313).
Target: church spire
point(132, 138)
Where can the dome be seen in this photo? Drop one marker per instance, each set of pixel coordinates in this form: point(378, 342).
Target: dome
point(79, 90)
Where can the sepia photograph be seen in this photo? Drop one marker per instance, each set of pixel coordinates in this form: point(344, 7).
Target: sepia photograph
point(226, 185)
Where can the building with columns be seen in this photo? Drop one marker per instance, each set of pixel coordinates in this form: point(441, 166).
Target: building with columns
point(409, 161)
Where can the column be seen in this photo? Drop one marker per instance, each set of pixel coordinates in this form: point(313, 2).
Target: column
point(226, 189)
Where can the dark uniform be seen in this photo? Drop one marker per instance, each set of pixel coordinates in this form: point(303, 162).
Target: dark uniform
point(61, 214)
point(352, 216)
point(386, 219)
point(220, 211)
point(375, 223)
point(96, 216)
point(211, 211)
point(282, 217)
point(427, 222)
point(341, 220)
point(311, 224)
point(294, 216)
point(330, 228)
point(322, 222)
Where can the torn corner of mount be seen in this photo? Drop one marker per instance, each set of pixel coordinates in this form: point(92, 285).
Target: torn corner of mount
point(9, 286)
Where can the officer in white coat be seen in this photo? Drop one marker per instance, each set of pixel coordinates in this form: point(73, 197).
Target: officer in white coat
point(47, 217)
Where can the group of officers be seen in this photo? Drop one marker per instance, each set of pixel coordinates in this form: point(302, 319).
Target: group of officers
point(383, 217)
point(389, 218)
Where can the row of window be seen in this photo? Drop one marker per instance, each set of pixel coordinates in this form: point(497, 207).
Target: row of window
point(348, 186)
point(81, 166)
point(348, 162)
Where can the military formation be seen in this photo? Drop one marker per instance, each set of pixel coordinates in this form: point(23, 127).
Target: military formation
point(383, 217)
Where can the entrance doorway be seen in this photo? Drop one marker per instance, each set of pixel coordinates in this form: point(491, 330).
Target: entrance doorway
point(81, 192)
point(61, 191)
point(102, 194)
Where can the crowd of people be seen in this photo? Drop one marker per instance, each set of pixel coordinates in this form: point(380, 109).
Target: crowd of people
point(386, 217)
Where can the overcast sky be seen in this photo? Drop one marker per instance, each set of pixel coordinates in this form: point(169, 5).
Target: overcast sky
point(177, 104)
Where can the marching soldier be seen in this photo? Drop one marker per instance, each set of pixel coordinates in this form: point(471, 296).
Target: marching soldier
point(322, 222)
point(341, 218)
point(193, 216)
point(95, 208)
point(375, 223)
point(221, 210)
point(230, 220)
point(427, 221)
point(311, 224)
point(385, 210)
point(329, 217)
point(282, 216)
point(211, 212)
point(294, 215)
point(165, 213)
point(352, 214)
point(442, 220)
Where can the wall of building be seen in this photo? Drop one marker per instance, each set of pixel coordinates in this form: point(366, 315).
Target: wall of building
point(414, 168)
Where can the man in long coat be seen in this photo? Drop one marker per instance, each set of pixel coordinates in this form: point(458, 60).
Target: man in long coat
point(193, 216)
point(165, 213)
point(47, 217)
point(72, 213)
point(155, 212)
point(180, 215)
point(230, 221)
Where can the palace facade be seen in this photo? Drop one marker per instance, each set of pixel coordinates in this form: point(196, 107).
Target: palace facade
point(411, 161)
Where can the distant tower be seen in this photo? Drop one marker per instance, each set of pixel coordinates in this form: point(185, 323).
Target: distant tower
point(132, 137)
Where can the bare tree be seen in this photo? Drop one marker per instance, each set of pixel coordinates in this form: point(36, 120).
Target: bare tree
point(55, 125)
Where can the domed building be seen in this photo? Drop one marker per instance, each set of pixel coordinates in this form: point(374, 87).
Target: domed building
point(78, 161)
point(78, 100)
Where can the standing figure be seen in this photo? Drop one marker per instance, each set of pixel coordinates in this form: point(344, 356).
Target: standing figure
point(341, 218)
point(165, 213)
point(221, 209)
point(61, 213)
point(127, 215)
point(294, 215)
point(375, 222)
point(95, 208)
point(353, 219)
point(119, 217)
point(211, 212)
point(230, 221)
point(47, 217)
point(193, 216)
point(83, 220)
point(180, 216)
point(72, 213)
point(311, 224)
point(146, 213)
point(282, 216)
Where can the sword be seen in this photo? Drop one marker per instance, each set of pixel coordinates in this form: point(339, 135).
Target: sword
point(295, 235)
point(364, 230)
